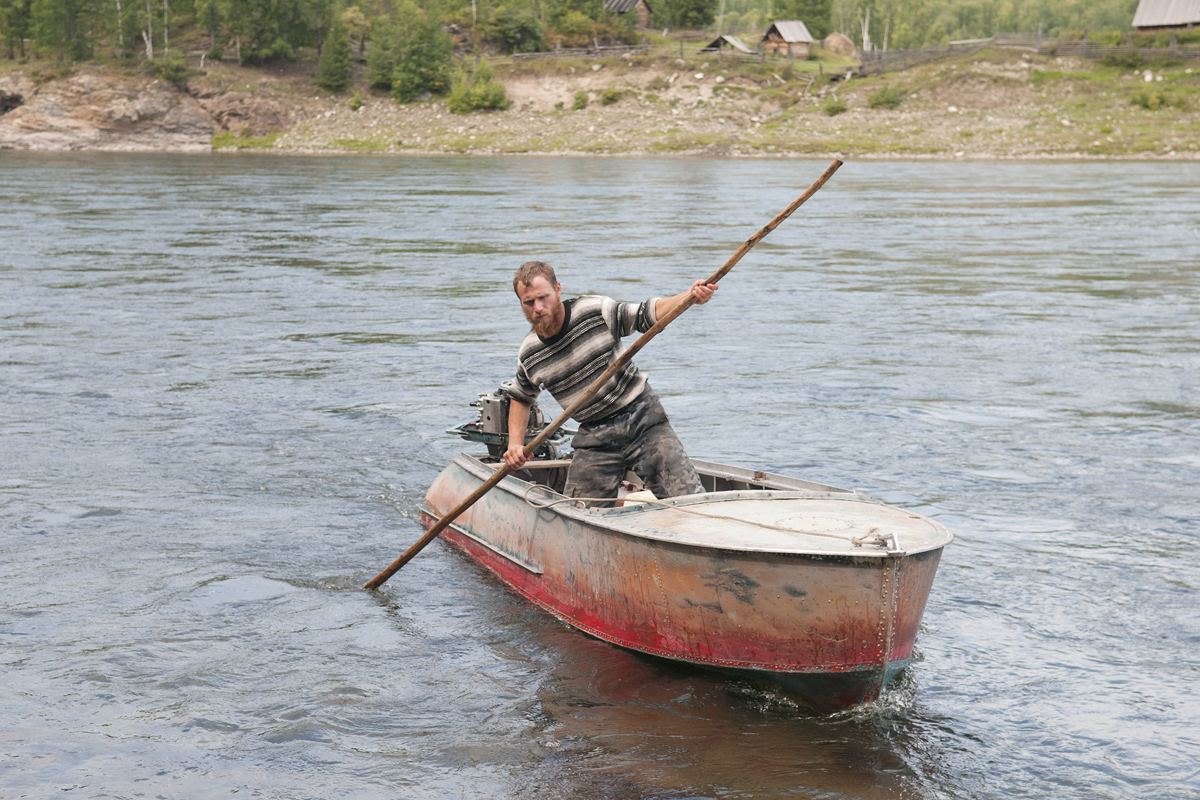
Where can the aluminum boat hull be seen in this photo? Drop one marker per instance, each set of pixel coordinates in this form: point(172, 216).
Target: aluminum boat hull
point(833, 623)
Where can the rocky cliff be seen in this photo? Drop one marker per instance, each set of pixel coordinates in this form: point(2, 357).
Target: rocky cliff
point(92, 112)
point(98, 111)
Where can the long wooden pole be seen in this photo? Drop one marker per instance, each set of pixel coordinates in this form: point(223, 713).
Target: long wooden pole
point(531, 448)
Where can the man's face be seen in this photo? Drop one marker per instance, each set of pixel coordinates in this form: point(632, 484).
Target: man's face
point(542, 305)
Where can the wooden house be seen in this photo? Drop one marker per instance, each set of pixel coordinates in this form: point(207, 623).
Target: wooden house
point(726, 42)
point(791, 38)
point(1162, 14)
point(639, 7)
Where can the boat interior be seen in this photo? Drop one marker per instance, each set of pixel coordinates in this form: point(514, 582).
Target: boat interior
point(552, 473)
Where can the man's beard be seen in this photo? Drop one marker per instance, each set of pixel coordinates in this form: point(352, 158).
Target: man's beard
point(543, 327)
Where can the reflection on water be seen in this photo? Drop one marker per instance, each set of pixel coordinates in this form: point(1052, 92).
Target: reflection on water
point(224, 383)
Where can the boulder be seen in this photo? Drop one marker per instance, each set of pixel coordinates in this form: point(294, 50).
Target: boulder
point(839, 43)
point(244, 113)
point(89, 112)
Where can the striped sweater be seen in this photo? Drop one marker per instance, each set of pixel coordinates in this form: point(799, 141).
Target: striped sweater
point(569, 362)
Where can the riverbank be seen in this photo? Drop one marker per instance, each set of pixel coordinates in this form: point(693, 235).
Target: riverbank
point(997, 104)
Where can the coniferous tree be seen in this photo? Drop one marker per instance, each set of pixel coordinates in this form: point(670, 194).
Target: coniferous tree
point(64, 27)
point(685, 14)
point(381, 57)
point(267, 30)
point(15, 21)
point(423, 51)
point(319, 16)
point(208, 14)
point(333, 71)
point(357, 27)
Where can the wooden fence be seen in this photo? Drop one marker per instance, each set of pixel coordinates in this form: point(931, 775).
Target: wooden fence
point(1085, 49)
point(878, 62)
point(663, 51)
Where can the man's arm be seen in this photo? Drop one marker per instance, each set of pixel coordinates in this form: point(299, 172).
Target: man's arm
point(702, 291)
point(518, 421)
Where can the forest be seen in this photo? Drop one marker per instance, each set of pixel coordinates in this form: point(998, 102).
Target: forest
point(254, 32)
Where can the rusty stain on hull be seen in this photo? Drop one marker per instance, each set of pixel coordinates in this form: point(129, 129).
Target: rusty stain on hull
point(832, 622)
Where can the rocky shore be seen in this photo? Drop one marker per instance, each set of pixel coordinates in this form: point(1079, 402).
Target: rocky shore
point(999, 104)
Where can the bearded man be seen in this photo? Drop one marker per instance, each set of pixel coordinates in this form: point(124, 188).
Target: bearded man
point(624, 426)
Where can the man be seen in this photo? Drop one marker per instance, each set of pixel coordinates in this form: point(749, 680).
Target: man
point(624, 426)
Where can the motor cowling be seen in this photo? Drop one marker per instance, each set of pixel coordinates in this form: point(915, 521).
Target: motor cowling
point(491, 425)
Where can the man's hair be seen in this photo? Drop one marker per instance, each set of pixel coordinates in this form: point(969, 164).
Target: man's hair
point(530, 270)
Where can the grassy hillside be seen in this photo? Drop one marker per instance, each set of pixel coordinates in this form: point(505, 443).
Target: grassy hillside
point(993, 104)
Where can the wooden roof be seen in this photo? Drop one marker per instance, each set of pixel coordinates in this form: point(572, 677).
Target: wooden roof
point(621, 6)
point(1166, 13)
point(732, 41)
point(793, 31)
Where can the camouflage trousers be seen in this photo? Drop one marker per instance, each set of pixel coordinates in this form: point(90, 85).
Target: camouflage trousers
point(639, 439)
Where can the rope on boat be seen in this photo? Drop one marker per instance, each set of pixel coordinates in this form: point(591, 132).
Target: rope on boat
point(873, 537)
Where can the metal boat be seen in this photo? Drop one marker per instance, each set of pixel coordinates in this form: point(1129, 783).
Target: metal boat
point(817, 588)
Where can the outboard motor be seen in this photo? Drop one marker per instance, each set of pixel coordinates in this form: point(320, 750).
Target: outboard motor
point(491, 427)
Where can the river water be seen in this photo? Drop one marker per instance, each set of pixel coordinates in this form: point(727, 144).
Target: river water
point(224, 385)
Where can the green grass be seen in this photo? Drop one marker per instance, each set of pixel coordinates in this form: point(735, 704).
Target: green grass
point(228, 140)
point(362, 145)
point(680, 144)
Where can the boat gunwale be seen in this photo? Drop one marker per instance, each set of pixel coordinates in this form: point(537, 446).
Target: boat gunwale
point(431, 515)
point(616, 519)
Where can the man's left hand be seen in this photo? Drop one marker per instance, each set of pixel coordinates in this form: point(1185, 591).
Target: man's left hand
point(702, 291)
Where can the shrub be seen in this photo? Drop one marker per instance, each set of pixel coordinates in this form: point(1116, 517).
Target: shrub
point(479, 92)
point(884, 97)
point(356, 102)
point(172, 69)
point(267, 53)
point(609, 96)
point(519, 30)
point(574, 28)
point(833, 106)
point(1128, 59)
point(1154, 99)
point(580, 101)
